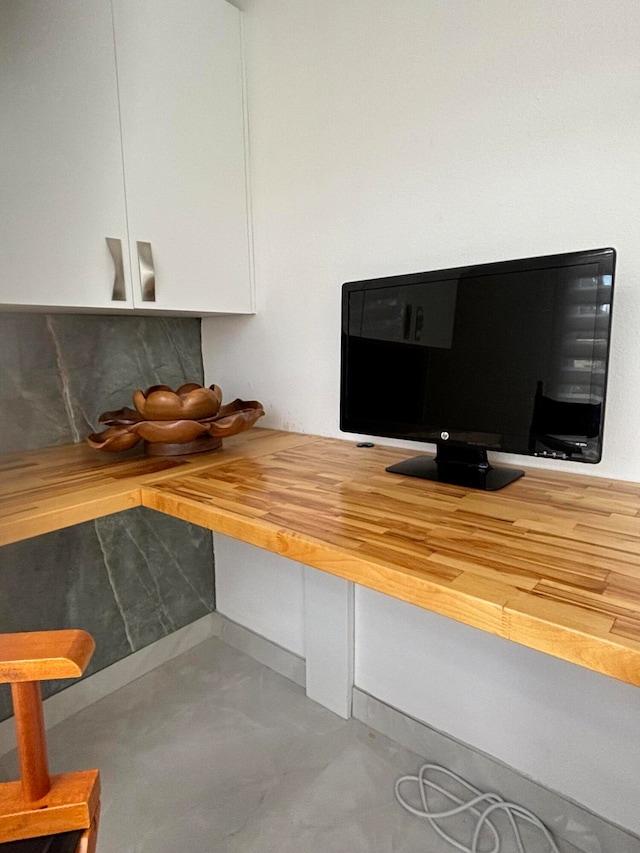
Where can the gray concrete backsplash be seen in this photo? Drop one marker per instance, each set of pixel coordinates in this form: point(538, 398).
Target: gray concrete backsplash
point(130, 578)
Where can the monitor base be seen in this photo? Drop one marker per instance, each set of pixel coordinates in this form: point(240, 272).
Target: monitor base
point(470, 474)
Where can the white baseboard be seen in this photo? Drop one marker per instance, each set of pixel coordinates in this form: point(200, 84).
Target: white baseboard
point(575, 828)
point(264, 651)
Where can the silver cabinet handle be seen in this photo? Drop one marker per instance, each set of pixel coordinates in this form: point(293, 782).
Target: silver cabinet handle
point(118, 294)
point(147, 272)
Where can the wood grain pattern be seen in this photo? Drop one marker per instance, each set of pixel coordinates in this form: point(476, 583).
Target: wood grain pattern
point(42, 655)
point(552, 561)
point(45, 490)
point(71, 803)
point(39, 804)
point(25, 660)
point(31, 740)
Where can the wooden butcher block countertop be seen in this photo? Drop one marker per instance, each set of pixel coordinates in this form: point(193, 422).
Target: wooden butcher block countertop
point(45, 490)
point(552, 561)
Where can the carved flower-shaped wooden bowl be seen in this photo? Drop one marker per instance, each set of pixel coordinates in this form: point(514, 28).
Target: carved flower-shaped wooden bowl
point(189, 420)
point(189, 402)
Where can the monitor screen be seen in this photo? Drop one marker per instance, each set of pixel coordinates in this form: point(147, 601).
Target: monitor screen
point(509, 356)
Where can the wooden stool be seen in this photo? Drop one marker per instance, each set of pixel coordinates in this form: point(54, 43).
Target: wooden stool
point(39, 804)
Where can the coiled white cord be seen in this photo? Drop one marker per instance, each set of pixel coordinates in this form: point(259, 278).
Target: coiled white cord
point(482, 805)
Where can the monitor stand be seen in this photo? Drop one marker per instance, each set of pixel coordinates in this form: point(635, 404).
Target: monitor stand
point(459, 466)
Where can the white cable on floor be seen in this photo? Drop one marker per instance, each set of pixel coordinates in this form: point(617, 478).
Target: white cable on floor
point(482, 805)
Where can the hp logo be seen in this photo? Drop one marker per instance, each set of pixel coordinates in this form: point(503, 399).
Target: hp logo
point(444, 436)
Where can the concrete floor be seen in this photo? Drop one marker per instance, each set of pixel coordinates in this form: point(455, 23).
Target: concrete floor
point(213, 751)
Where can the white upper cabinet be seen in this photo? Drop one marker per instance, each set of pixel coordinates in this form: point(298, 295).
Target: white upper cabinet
point(123, 156)
point(61, 188)
point(181, 103)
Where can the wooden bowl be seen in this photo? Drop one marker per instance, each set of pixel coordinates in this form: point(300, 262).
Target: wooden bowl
point(190, 402)
point(125, 428)
point(114, 439)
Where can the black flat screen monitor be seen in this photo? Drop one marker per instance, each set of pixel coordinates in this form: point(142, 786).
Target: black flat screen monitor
point(509, 356)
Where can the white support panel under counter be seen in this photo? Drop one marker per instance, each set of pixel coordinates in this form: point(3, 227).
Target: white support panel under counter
point(329, 643)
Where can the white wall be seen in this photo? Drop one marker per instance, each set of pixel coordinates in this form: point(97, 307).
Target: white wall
point(261, 591)
point(391, 136)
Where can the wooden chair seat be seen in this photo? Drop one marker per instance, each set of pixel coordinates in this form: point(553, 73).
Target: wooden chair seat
point(60, 811)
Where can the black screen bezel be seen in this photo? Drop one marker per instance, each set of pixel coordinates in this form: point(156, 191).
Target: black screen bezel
point(605, 259)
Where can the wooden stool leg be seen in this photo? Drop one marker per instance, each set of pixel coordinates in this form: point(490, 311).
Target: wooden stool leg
point(87, 843)
point(32, 745)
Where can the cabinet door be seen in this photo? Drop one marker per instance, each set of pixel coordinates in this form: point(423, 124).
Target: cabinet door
point(61, 187)
point(183, 136)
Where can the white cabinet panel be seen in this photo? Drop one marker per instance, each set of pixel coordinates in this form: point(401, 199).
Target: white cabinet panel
point(123, 120)
point(61, 190)
point(181, 100)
